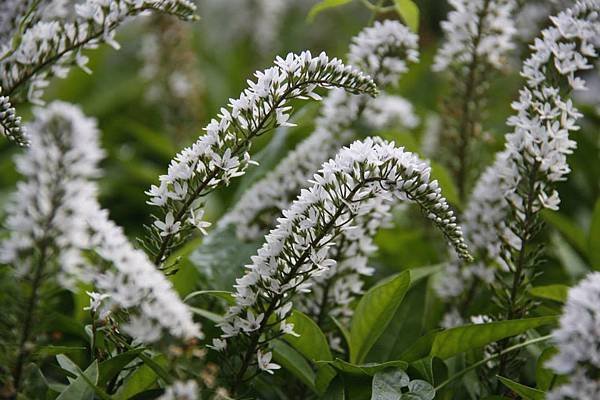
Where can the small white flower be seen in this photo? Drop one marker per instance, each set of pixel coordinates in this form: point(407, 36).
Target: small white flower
point(169, 226)
point(264, 362)
point(196, 220)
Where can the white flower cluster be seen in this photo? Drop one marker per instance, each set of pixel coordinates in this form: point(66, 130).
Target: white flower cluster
point(578, 342)
point(133, 283)
point(181, 390)
point(536, 151)
point(383, 51)
point(356, 182)
point(10, 123)
point(11, 12)
point(222, 153)
point(55, 215)
point(49, 207)
point(477, 28)
point(49, 48)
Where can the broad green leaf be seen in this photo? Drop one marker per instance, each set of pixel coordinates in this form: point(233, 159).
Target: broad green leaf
point(388, 384)
point(573, 233)
point(111, 367)
point(335, 391)
point(525, 392)
point(325, 374)
point(373, 314)
point(293, 361)
point(422, 389)
point(368, 369)
point(453, 341)
point(409, 12)
point(343, 331)
point(405, 327)
point(79, 389)
point(68, 365)
point(594, 238)
point(143, 378)
point(416, 274)
point(421, 348)
point(311, 343)
point(550, 292)
point(324, 5)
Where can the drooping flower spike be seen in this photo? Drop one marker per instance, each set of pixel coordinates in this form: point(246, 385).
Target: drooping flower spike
point(55, 222)
point(383, 51)
point(521, 182)
point(350, 186)
point(222, 153)
point(10, 123)
point(50, 48)
point(578, 343)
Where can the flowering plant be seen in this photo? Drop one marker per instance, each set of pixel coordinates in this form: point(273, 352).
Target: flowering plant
point(356, 227)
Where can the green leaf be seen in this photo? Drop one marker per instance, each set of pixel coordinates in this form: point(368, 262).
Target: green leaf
point(211, 316)
point(444, 178)
point(221, 294)
point(68, 365)
point(388, 384)
point(46, 351)
point(550, 292)
point(409, 12)
point(573, 233)
point(422, 389)
point(368, 369)
point(343, 331)
point(594, 238)
point(525, 392)
point(453, 341)
point(373, 314)
point(545, 377)
point(324, 5)
point(143, 378)
point(311, 343)
point(111, 367)
point(335, 391)
point(325, 374)
point(293, 361)
point(79, 389)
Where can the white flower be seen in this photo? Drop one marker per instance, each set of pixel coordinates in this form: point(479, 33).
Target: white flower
point(360, 177)
point(264, 362)
point(181, 390)
point(539, 141)
point(196, 220)
point(477, 28)
point(218, 344)
point(96, 300)
point(10, 123)
point(578, 342)
point(223, 152)
point(169, 227)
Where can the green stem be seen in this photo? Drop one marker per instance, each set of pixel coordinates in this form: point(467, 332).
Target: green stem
point(490, 358)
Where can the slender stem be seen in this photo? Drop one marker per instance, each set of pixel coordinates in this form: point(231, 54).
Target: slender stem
point(511, 312)
point(467, 125)
point(490, 358)
point(29, 313)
